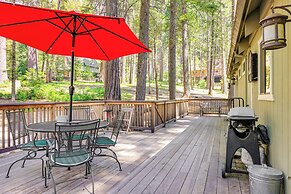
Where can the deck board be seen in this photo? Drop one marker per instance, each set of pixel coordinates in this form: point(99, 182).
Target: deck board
point(184, 157)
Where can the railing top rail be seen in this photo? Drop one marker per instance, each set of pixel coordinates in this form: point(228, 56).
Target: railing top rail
point(15, 105)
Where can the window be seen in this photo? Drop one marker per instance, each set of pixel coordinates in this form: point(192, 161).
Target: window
point(244, 68)
point(265, 77)
point(239, 73)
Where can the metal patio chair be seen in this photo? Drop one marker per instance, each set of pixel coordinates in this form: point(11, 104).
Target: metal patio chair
point(128, 112)
point(101, 143)
point(18, 129)
point(66, 153)
point(79, 112)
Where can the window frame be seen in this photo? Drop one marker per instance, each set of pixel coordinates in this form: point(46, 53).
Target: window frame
point(262, 94)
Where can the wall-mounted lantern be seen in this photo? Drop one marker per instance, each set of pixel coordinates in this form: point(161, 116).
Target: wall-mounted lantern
point(274, 29)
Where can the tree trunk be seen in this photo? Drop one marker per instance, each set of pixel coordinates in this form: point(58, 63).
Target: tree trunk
point(59, 4)
point(131, 62)
point(172, 50)
point(43, 65)
point(3, 70)
point(32, 52)
point(194, 68)
point(209, 76)
point(186, 83)
point(102, 71)
point(32, 58)
point(156, 70)
point(112, 74)
point(149, 77)
point(13, 71)
point(49, 64)
point(161, 62)
point(122, 72)
point(112, 80)
point(142, 57)
point(224, 70)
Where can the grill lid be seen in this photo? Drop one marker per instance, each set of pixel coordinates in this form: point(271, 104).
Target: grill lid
point(241, 112)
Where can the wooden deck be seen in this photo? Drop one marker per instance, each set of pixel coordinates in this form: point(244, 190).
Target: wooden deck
point(185, 157)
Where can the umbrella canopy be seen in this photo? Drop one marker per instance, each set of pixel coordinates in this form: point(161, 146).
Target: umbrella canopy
point(52, 31)
point(69, 33)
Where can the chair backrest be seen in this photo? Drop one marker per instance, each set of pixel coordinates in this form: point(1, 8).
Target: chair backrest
point(117, 125)
point(64, 132)
point(127, 113)
point(17, 125)
point(79, 112)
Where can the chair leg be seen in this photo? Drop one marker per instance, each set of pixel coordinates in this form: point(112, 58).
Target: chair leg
point(28, 156)
point(114, 155)
point(8, 172)
point(42, 168)
point(22, 166)
point(45, 175)
point(52, 177)
point(87, 171)
point(92, 177)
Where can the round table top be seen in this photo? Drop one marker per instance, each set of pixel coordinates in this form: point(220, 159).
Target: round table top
point(49, 126)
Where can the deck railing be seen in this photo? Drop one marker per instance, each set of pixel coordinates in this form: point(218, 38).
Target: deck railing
point(148, 115)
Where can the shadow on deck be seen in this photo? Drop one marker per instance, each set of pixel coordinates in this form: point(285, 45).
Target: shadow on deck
point(185, 157)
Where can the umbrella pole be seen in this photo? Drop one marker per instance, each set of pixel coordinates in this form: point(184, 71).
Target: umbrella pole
point(72, 88)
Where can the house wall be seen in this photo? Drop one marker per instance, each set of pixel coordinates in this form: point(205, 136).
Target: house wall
point(276, 113)
point(241, 89)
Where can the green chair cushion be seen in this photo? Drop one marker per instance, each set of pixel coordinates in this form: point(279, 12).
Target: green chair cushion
point(32, 144)
point(78, 137)
point(72, 158)
point(105, 141)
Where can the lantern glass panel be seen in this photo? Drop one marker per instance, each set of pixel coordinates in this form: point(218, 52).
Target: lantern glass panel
point(269, 32)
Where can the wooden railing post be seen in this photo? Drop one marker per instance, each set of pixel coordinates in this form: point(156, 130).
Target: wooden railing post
point(164, 113)
point(3, 128)
point(153, 117)
point(176, 110)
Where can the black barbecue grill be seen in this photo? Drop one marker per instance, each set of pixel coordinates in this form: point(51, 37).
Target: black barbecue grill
point(241, 134)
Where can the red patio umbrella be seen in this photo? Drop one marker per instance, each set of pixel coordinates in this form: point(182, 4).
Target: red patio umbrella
point(69, 33)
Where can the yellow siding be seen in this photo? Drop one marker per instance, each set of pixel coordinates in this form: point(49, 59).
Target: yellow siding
point(276, 115)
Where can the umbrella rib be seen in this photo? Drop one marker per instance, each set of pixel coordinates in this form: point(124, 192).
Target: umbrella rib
point(63, 30)
point(81, 23)
point(84, 32)
point(96, 42)
point(27, 22)
point(66, 25)
point(118, 35)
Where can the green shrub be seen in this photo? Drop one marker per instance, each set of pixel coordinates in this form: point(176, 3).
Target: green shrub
point(126, 96)
point(24, 93)
point(32, 79)
point(57, 92)
point(5, 95)
point(202, 84)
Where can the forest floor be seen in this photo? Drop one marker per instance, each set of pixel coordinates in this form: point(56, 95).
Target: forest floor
point(164, 93)
point(128, 91)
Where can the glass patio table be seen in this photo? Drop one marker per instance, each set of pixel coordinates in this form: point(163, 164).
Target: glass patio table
point(49, 126)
